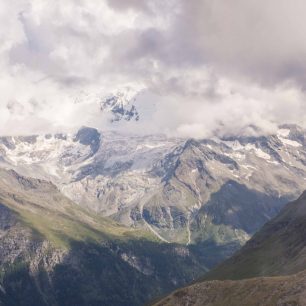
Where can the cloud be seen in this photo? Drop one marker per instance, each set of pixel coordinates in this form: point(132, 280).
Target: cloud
point(207, 66)
point(262, 41)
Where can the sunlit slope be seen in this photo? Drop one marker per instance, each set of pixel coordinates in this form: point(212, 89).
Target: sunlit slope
point(52, 252)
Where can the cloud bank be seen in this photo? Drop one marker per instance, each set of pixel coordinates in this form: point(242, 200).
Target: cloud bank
point(207, 66)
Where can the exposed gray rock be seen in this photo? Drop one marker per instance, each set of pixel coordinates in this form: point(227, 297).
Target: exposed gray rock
point(184, 191)
point(89, 137)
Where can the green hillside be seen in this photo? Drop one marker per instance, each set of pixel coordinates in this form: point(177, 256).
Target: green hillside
point(53, 252)
point(279, 248)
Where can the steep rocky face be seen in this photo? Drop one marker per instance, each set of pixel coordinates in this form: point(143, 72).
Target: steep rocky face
point(121, 107)
point(213, 193)
point(53, 252)
point(89, 137)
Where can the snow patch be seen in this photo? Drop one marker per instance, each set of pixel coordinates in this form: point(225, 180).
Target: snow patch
point(235, 145)
point(260, 153)
point(149, 146)
point(283, 132)
point(289, 142)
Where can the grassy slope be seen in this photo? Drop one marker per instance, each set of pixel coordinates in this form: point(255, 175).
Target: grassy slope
point(279, 248)
point(104, 263)
point(42, 207)
point(267, 291)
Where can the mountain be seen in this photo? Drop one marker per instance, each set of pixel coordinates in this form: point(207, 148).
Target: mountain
point(278, 250)
point(118, 105)
point(263, 291)
point(112, 216)
point(53, 252)
point(211, 194)
point(121, 106)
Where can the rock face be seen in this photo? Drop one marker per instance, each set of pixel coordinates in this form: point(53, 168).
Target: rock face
point(53, 252)
point(278, 249)
point(89, 137)
point(121, 107)
point(212, 194)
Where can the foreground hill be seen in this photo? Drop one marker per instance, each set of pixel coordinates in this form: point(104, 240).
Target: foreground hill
point(52, 252)
point(263, 291)
point(278, 249)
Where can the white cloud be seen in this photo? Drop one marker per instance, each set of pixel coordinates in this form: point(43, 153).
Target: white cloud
point(208, 66)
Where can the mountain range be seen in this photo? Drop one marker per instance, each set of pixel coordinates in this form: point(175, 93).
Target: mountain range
point(101, 209)
point(216, 191)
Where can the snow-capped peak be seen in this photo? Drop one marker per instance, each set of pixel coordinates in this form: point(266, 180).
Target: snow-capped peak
point(121, 105)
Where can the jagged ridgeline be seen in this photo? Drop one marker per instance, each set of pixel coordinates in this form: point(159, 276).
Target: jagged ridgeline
point(53, 252)
point(183, 205)
point(213, 193)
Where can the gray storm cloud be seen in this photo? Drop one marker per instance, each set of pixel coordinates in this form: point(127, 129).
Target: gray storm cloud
point(207, 66)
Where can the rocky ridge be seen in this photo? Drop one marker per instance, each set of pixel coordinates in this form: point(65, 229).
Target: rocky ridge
point(212, 193)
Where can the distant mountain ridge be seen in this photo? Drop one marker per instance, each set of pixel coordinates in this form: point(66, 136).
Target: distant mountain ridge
point(212, 194)
point(121, 106)
point(118, 105)
point(192, 202)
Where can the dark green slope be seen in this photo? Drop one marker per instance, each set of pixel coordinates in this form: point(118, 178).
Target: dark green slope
point(279, 248)
point(270, 270)
point(54, 253)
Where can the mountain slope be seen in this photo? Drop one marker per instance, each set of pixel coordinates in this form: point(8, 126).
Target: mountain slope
point(264, 291)
point(211, 194)
point(53, 252)
point(278, 249)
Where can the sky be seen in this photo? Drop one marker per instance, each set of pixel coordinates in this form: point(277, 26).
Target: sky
point(207, 66)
